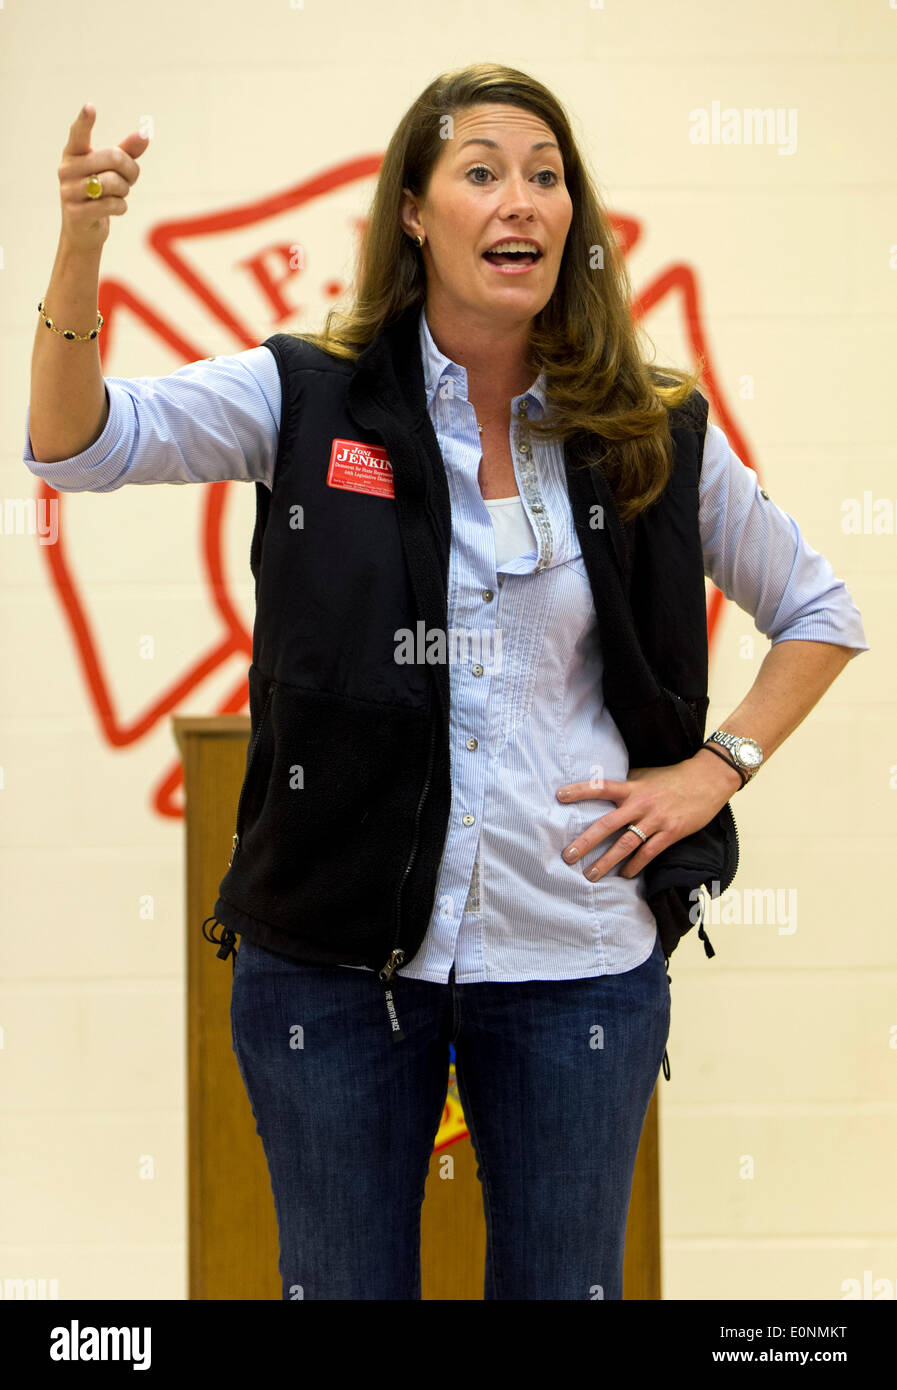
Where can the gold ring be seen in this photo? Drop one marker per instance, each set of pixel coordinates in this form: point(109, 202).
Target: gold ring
point(94, 187)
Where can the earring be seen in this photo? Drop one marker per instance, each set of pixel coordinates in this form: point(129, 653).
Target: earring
point(419, 240)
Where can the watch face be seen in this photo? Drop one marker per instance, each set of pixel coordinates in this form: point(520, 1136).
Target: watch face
point(749, 753)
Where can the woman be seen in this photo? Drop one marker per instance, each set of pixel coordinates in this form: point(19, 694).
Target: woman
point(430, 496)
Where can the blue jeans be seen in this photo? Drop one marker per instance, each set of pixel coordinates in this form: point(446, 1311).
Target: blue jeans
point(555, 1078)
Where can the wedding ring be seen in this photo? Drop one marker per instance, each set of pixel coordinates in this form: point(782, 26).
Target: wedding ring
point(641, 834)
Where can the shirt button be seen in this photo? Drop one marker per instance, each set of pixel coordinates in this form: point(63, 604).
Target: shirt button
point(469, 819)
point(488, 595)
point(477, 670)
point(764, 494)
point(472, 743)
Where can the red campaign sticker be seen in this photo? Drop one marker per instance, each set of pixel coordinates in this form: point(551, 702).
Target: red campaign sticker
point(361, 468)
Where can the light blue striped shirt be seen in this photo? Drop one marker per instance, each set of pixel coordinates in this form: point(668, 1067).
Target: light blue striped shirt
point(532, 718)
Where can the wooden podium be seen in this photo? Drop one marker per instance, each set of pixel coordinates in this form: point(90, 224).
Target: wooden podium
point(232, 1231)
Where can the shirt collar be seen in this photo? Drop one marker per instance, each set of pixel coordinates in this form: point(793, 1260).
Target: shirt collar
point(436, 366)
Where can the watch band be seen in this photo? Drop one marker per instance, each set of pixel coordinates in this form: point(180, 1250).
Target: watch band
point(711, 748)
point(733, 744)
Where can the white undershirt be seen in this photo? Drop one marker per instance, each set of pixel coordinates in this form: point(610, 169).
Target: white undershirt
point(514, 535)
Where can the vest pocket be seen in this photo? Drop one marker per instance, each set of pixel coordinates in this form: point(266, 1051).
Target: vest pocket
point(327, 817)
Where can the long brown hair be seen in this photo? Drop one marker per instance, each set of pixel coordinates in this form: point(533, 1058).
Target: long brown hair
point(597, 378)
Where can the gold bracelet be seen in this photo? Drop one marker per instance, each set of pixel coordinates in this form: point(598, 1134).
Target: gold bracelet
point(67, 333)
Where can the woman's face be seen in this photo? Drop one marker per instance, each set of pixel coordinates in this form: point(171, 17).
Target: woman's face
point(500, 177)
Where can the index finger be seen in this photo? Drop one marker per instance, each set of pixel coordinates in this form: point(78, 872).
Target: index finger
point(79, 131)
point(579, 791)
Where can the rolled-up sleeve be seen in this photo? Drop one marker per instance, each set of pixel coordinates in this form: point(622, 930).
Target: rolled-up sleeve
point(755, 553)
point(209, 421)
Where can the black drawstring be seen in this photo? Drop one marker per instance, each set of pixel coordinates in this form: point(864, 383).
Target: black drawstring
point(224, 942)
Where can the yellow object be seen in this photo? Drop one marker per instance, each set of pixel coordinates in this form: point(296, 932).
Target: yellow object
point(452, 1126)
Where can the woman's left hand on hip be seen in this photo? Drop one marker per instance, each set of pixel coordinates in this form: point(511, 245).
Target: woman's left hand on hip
point(666, 803)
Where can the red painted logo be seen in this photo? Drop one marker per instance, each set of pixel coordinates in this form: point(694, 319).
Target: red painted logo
point(360, 468)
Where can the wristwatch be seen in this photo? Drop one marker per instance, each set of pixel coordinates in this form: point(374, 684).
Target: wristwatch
point(747, 754)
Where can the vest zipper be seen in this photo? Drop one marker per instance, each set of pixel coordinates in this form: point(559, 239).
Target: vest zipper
point(702, 935)
point(397, 955)
point(679, 703)
point(249, 761)
point(226, 942)
point(737, 843)
point(727, 873)
point(665, 1064)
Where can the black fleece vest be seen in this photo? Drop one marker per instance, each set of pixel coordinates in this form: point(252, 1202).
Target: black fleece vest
point(344, 808)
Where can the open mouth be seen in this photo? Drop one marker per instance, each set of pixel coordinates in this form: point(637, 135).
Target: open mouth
point(518, 258)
